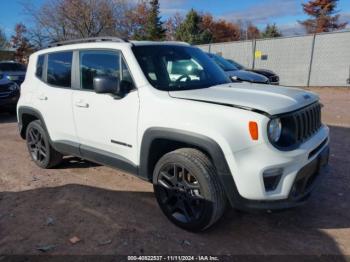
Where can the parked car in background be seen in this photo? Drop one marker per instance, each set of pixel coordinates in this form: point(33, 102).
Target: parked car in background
point(237, 74)
point(13, 71)
point(9, 94)
point(273, 78)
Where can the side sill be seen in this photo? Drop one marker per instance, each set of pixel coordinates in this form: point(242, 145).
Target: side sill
point(108, 159)
point(96, 155)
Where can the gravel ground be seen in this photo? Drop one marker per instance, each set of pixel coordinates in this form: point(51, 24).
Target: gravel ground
point(114, 213)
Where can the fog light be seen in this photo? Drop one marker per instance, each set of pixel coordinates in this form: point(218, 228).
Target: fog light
point(272, 178)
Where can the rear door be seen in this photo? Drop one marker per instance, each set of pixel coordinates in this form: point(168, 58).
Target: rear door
point(53, 96)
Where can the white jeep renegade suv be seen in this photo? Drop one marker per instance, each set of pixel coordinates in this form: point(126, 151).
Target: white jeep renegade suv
point(166, 113)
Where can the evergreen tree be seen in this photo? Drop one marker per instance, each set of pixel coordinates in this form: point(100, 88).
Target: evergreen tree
point(271, 31)
point(324, 16)
point(154, 26)
point(192, 31)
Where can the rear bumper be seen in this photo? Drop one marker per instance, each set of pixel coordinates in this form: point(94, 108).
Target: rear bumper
point(304, 183)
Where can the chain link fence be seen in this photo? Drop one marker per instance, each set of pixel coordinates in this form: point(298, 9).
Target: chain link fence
point(312, 60)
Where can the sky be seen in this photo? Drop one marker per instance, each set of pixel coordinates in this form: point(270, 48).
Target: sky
point(285, 13)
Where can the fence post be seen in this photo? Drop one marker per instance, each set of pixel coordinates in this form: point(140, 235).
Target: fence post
point(311, 59)
point(254, 50)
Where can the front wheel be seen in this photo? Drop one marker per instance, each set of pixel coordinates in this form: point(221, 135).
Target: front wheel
point(187, 189)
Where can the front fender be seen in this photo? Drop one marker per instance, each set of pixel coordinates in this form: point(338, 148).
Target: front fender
point(199, 141)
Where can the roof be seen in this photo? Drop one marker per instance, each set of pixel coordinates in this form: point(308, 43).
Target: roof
point(112, 39)
point(141, 43)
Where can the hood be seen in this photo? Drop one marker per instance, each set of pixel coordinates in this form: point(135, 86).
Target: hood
point(247, 76)
point(270, 99)
point(4, 82)
point(13, 73)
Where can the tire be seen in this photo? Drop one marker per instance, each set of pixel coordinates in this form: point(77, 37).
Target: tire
point(188, 190)
point(39, 146)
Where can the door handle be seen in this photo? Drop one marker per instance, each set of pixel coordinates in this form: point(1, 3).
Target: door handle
point(81, 104)
point(42, 97)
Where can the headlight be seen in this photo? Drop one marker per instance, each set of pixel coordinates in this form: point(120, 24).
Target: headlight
point(274, 129)
point(14, 87)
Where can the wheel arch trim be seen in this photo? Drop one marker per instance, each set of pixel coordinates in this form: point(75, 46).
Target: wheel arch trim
point(30, 111)
point(208, 145)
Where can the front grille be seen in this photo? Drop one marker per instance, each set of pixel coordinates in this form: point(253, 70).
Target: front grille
point(298, 126)
point(307, 122)
point(4, 94)
point(5, 88)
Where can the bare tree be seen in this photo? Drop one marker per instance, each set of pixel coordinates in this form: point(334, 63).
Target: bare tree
point(221, 30)
point(58, 20)
point(136, 19)
point(253, 32)
point(3, 39)
point(171, 25)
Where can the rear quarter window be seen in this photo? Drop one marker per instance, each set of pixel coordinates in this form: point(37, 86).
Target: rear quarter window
point(40, 66)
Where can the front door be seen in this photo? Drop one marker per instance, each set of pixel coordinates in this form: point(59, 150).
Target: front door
point(105, 124)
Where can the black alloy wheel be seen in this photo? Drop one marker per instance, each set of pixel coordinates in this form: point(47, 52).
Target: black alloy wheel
point(187, 189)
point(40, 150)
point(180, 193)
point(37, 146)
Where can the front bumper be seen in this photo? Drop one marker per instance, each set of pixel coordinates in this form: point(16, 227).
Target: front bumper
point(249, 167)
point(10, 100)
point(304, 183)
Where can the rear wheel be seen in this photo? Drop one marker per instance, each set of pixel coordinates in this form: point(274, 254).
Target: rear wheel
point(39, 147)
point(188, 190)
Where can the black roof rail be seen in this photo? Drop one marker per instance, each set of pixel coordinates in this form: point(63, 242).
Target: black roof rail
point(88, 40)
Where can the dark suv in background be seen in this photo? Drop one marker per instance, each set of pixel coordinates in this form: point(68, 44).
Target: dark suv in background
point(11, 77)
point(13, 71)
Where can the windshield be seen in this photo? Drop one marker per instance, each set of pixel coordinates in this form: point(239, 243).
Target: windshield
point(239, 66)
point(171, 67)
point(222, 62)
point(12, 67)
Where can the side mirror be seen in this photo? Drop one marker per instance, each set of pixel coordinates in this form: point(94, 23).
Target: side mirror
point(112, 85)
point(106, 84)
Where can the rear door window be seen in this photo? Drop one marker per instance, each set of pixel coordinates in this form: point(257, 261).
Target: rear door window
point(59, 67)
